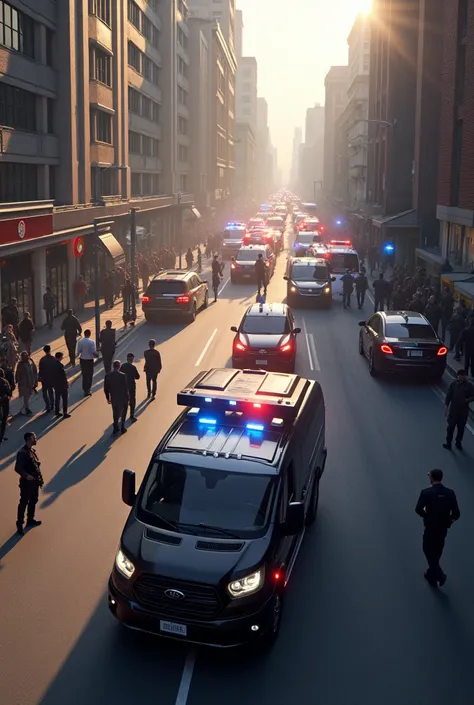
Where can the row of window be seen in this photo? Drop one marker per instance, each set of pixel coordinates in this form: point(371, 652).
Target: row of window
point(144, 25)
point(17, 30)
point(182, 38)
point(182, 125)
point(100, 66)
point(143, 144)
point(101, 127)
point(144, 184)
point(18, 182)
point(101, 9)
point(182, 153)
point(182, 96)
point(143, 64)
point(154, 4)
point(142, 105)
point(182, 67)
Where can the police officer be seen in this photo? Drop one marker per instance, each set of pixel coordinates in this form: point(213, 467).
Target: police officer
point(361, 284)
point(116, 393)
point(460, 395)
point(131, 373)
point(31, 480)
point(438, 507)
point(260, 273)
point(347, 288)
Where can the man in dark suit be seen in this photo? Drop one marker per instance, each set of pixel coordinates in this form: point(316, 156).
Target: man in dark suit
point(107, 344)
point(152, 368)
point(116, 393)
point(132, 374)
point(46, 369)
point(61, 386)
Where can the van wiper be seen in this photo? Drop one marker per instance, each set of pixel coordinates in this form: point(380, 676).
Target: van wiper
point(226, 532)
point(168, 524)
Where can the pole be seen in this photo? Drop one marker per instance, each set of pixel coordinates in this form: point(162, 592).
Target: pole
point(96, 282)
point(180, 232)
point(314, 191)
point(133, 255)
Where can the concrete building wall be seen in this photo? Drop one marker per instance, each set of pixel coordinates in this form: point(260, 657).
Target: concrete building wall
point(336, 84)
point(246, 91)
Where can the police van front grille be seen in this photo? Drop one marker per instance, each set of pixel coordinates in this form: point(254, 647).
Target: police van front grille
point(219, 546)
point(198, 601)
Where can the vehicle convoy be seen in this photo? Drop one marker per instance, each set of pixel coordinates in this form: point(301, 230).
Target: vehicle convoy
point(276, 222)
point(217, 523)
point(175, 293)
point(309, 279)
point(402, 341)
point(243, 266)
point(234, 234)
point(266, 338)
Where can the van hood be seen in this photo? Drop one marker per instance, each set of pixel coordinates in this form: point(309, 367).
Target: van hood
point(310, 285)
point(268, 342)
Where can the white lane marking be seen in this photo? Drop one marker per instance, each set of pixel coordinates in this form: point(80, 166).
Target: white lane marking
point(311, 366)
point(223, 286)
point(312, 345)
point(206, 348)
point(369, 296)
point(442, 397)
point(185, 684)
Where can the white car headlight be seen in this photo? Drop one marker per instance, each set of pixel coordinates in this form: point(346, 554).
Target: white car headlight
point(247, 585)
point(293, 289)
point(124, 565)
point(327, 290)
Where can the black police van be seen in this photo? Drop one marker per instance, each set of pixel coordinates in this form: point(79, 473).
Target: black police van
point(218, 521)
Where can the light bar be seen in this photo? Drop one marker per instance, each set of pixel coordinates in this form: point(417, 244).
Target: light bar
point(207, 422)
point(208, 400)
point(232, 402)
point(255, 427)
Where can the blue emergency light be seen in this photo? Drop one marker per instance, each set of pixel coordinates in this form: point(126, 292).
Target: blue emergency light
point(207, 422)
point(255, 427)
point(388, 249)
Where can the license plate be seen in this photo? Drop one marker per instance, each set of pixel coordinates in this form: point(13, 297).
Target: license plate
point(262, 362)
point(415, 353)
point(173, 628)
point(246, 276)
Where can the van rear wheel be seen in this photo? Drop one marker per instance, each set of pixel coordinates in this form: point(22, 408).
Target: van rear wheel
point(313, 505)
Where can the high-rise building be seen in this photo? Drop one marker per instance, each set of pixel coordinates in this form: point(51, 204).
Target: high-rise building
point(201, 112)
point(294, 175)
point(222, 12)
point(311, 155)
point(336, 84)
point(239, 31)
point(314, 125)
point(246, 91)
point(91, 104)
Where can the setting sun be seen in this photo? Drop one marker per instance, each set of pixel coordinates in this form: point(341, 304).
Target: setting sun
point(364, 6)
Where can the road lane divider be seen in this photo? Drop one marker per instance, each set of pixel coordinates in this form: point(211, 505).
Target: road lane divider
point(308, 346)
point(312, 346)
point(206, 348)
point(223, 286)
point(186, 678)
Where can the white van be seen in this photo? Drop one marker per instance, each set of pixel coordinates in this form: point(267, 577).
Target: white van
point(339, 260)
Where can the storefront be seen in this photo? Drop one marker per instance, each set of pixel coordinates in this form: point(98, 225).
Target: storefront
point(17, 282)
point(111, 255)
point(57, 276)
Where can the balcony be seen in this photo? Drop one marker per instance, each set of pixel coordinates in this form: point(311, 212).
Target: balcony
point(39, 148)
point(100, 33)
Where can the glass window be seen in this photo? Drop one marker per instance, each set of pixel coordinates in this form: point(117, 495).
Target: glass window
point(146, 107)
point(156, 112)
point(339, 262)
point(136, 183)
point(265, 325)
point(188, 496)
point(16, 30)
point(102, 124)
point(100, 66)
point(164, 286)
point(376, 324)
point(134, 57)
point(146, 146)
point(403, 331)
point(134, 142)
point(133, 101)
point(18, 182)
point(134, 14)
point(183, 182)
point(17, 108)
point(101, 9)
point(305, 273)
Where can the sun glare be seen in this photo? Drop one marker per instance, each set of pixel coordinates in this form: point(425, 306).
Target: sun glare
point(364, 6)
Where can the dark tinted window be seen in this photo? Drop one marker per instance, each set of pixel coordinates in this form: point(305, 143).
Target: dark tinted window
point(166, 286)
point(418, 331)
point(339, 262)
point(307, 238)
point(265, 325)
point(249, 255)
point(305, 273)
point(238, 502)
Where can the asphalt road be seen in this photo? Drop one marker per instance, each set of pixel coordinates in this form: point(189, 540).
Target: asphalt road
point(361, 626)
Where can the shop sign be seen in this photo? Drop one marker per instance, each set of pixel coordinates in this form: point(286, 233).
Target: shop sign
point(22, 229)
point(78, 247)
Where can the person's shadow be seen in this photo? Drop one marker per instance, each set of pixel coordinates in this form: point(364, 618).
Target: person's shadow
point(77, 468)
point(8, 546)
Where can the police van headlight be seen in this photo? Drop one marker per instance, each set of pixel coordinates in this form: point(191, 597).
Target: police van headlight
point(293, 289)
point(124, 565)
point(247, 585)
point(327, 290)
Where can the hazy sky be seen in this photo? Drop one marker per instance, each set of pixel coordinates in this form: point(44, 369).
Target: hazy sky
point(295, 42)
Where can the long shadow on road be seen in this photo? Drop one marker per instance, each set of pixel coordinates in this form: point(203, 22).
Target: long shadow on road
point(109, 664)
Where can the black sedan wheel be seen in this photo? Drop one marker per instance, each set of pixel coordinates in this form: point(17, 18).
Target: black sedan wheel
point(361, 345)
point(372, 368)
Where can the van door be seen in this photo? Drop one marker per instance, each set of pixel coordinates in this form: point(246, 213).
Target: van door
point(286, 543)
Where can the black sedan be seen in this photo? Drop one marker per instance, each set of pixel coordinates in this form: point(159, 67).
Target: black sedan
point(396, 341)
point(266, 339)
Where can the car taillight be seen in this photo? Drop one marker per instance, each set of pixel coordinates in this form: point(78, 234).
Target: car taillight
point(146, 299)
point(183, 300)
point(239, 346)
point(386, 349)
point(442, 351)
point(286, 348)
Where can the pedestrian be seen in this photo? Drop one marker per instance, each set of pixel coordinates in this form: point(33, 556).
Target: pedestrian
point(116, 393)
point(5, 395)
point(7, 371)
point(26, 377)
point(152, 368)
point(31, 481)
point(72, 329)
point(49, 304)
point(347, 288)
point(261, 274)
point(216, 275)
point(460, 394)
point(81, 291)
point(131, 373)
point(398, 299)
point(46, 368)
point(199, 259)
point(447, 310)
point(380, 293)
point(438, 507)
point(10, 347)
point(87, 352)
point(61, 386)
point(433, 313)
point(11, 316)
point(361, 285)
point(26, 328)
point(189, 257)
point(466, 343)
point(107, 344)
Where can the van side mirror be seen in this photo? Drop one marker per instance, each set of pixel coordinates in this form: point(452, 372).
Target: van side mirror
point(362, 323)
point(296, 331)
point(234, 329)
point(294, 523)
point(128, 488)
point(285, 278)
point(333, 279)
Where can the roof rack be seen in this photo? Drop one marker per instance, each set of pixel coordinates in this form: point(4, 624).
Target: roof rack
point(247, 391)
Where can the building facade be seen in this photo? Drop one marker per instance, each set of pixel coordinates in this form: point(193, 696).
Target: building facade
point(200, 123)
point(336, 83)
point(221, 11)
point(311, 155)
point(246, 91)
point(86, 133)
point(245, 162)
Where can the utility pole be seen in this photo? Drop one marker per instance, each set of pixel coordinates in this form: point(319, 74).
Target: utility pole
point(133, 256)
point(101, 226)
point(180, 233)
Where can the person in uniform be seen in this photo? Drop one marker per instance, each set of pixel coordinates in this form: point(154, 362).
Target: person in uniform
point(460, 394)
point(438, 507)
point(107, 344)
point(131, 373)
point(31, 481)
point(116, 393)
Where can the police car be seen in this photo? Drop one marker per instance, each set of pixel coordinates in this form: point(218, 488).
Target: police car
point(340, 259)
point(217, 523)
point(234, 234)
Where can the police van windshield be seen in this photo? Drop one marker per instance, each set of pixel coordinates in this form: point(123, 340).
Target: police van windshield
point(186, 497)
point(305, 273)
point(308, 238)
point(249, 255)
point(340, 261)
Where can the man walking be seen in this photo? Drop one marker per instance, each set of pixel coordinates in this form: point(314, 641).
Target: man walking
point(31, 481)
point(5, 395)
point(87, 351)
point(116, 393)
point(438, 507)
point(152, 368)
point(131, 373)
point(460, 394)
point(61, 386)
point(261, 274)
point(466, 342)
point(361, 284)
point(26, 377)
point(380, 293)
point(347, 288)
point(107, 344)
point(46, 368)
point(72, 328)
point(49, 303)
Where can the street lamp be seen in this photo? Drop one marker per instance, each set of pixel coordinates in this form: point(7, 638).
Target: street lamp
point(101, 226)
point(180, 234)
